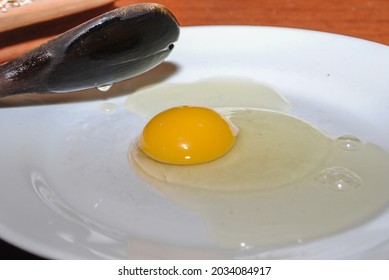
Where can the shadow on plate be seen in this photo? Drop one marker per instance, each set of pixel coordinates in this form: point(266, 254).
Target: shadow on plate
point(154, 76)
point(10, 252)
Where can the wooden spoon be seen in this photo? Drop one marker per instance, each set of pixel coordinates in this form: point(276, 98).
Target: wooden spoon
point(115, 46)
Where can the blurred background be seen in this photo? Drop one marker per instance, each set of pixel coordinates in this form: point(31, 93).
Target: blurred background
point(367, 19)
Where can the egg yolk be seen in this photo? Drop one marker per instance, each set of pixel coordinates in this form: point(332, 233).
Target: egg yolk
point(187, 135)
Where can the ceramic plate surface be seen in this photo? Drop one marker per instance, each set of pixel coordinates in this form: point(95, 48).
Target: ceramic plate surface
point(68, 192)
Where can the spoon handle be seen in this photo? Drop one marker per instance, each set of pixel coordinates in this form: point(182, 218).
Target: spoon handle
point(25, 73)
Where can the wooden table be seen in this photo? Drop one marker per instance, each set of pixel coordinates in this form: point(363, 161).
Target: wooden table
point(367, 19)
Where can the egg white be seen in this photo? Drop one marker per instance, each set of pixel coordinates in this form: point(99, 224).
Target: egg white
point(283, 182)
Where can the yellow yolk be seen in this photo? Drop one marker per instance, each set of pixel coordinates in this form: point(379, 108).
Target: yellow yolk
point(187, 135)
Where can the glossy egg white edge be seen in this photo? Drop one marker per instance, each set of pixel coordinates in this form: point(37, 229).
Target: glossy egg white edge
point(65, 176)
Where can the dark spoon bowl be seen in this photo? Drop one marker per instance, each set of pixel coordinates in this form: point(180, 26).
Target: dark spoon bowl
point(115, 46)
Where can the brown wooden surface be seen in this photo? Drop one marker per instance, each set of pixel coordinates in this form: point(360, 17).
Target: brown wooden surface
point(30, 14)
point(367, 19)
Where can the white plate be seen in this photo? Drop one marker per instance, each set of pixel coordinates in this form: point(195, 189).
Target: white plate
point(67, 190)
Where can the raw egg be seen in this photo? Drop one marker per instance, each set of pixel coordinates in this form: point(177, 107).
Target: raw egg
point(187, 135)
point(283, 182)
